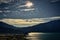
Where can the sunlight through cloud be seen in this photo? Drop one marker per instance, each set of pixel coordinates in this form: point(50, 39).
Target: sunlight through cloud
point(29, 4)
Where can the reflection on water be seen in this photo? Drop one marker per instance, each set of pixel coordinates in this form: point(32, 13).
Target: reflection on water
point(43, 36)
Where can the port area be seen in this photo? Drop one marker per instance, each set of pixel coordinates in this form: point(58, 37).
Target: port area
point(12, 37)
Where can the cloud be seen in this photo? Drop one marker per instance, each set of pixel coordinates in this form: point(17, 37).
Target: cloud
point(6, 7)
point(7, 11)
point(4, 15)
point(28, 22)
point(1, 11)
point(21, 6)
point(54, 0)
point(6, 1)
point(20, 21)
point(27, 4)
point(31, 9)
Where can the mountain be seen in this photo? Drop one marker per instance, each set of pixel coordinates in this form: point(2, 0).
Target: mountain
point(52, 26)
point(6, 28)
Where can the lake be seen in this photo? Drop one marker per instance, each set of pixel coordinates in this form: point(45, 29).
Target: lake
point(43, 36)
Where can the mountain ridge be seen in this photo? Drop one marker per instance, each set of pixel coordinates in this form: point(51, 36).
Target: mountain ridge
point(52, 26)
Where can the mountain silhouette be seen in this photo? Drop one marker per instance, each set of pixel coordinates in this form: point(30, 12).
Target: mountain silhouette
point(52, 26)
point(6, 28)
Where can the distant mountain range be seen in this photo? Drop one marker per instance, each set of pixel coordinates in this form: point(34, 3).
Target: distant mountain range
point(52, 26)
point(6, 28)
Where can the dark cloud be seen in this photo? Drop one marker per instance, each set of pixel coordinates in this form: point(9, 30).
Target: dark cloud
point(43, 8)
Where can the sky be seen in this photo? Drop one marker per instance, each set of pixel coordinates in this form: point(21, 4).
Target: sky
point(25, 9)
point(28, 22)
point(24, 13)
